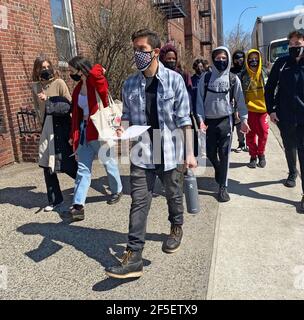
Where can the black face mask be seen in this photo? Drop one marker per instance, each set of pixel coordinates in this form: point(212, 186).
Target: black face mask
point(75, 77)
point(296, 52)
point(221, 65)
point(253, 63)
point(46, 74)
point(199, 72)
point(170, 65)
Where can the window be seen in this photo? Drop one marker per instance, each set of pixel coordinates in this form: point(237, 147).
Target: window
point(3, 17)
point(63, 29)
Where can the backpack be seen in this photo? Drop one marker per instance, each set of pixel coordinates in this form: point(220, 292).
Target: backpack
point(245, 79)
point(232, 82)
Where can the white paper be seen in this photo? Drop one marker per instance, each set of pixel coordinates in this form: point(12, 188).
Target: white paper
point(132, 132)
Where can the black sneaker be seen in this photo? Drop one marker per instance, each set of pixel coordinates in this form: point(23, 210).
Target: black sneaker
point(262, 162)
point(115, 198)
point(239, 148)
point(253, 163)
point(302, 204)
point(130, 267)
point(77, 213)
point(173, 242)
point(223, 195)
point(291, 181)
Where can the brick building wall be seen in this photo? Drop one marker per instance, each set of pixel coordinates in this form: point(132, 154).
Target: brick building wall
point(176, 34)
point(28, 33)
point(192, 28)
point(27, 30)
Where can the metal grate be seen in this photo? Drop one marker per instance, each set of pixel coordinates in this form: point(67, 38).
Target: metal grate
point(27, 122)
point(172, 9)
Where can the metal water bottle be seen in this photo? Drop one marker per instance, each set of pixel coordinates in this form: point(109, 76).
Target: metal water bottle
point(191, 192)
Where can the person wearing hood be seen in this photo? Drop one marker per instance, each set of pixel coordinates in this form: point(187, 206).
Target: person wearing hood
point(218, 93)
point(253, 80)
point(238, 60)
point(284, 96)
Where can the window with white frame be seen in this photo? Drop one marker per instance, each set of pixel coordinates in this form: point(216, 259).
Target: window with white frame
point(63, 29)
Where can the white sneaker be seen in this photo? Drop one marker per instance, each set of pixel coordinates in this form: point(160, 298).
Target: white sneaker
point(51, 208)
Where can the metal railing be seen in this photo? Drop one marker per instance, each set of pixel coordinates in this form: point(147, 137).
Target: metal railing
point(27, 122)
point(173, 9)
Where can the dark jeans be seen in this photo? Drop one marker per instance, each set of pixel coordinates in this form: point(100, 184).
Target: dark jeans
point(218, 145)
point(142, 184)
point(54, 193)
point(293, 141)
point(241, 136)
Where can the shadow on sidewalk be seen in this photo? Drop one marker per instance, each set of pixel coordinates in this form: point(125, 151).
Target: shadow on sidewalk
point(95, 244)
point(27, 198)
point(207, 186)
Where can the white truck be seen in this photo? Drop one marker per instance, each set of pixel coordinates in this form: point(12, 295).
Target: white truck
point(270, 34)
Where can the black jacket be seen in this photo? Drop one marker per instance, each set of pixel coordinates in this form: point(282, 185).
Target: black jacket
point(60, 108)
point(284, 92)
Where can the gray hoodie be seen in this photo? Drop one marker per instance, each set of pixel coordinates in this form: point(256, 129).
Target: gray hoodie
point(218, 105)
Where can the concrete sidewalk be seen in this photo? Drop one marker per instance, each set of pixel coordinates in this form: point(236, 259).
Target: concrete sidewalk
point(259, 239)
point(47, 258)
point(250, 248)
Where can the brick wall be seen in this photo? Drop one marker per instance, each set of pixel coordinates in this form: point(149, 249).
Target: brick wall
point(29, 32)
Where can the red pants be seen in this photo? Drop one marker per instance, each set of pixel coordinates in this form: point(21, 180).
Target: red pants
point(258, 123)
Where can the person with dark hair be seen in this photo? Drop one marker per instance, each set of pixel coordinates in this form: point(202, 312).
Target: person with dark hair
point(199, 68)
point(52, 104)
point(207, 66)
point(218, 92)
point(238, 59)
point(91, 86)
point(155, 96)
point(169, 58)
point(284, 94)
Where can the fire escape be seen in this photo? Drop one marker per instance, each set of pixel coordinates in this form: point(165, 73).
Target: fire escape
point(172, 9)
point(206, 23)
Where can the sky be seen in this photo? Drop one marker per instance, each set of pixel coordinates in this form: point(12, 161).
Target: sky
point(233, 8)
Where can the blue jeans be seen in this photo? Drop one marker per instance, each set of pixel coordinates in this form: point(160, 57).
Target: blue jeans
point(86, 153)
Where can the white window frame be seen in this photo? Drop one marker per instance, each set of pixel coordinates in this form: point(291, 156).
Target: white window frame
point(70, 29)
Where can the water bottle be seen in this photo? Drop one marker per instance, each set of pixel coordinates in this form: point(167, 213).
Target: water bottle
point(191, 192)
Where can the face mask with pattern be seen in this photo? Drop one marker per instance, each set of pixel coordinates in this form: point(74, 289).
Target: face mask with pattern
point(143, 60)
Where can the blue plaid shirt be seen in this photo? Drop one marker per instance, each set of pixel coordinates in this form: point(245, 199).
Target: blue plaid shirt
point(173, 108)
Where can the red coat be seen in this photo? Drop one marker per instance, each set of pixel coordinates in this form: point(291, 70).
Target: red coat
point(96, 82)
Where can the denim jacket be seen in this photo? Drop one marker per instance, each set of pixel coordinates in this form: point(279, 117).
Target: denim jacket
point(173, 108)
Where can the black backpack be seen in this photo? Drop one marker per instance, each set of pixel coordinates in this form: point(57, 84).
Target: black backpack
point(232, 82)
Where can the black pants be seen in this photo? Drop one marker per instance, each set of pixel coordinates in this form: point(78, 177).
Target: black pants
point(142, 184)
point(293, 141)
point(218, 145)
point(241, 136)
point(54, 193)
